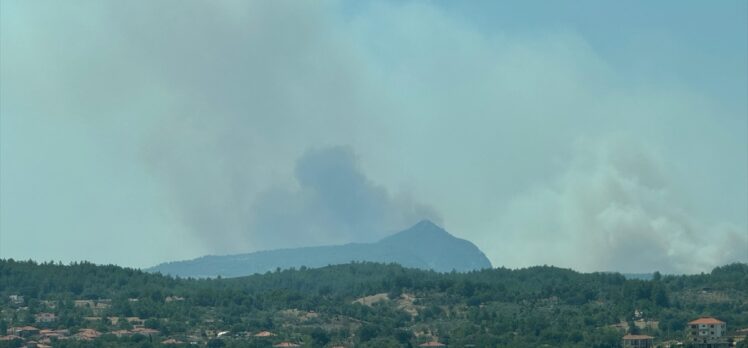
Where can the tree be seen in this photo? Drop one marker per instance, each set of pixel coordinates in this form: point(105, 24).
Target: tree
point(659, 297)
point(215, 343)
point(367, 332)
point(319, 337)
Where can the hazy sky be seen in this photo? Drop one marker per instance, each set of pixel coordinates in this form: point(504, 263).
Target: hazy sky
point(597, 135)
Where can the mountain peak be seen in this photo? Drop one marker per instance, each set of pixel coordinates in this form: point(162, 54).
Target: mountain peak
point(426, 223)
point(424, 245)
point(423, 229)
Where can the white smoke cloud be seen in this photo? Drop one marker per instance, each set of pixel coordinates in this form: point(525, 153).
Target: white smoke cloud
point(202, 112)
point(613, 208)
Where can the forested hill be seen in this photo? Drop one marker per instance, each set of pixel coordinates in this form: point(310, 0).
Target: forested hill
point(376, 305)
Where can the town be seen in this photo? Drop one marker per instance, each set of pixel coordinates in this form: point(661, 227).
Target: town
point(704, 332)
point(369, 305)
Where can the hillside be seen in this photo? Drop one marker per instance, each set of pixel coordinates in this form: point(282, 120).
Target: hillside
point(423, 246)
point(364, 305)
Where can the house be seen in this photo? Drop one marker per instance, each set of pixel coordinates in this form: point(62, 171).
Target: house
point(638, 341)
point(23, 331)
point(171, 341)
point(145, 331)
point(83, 303)
point(11, 338)
point(45, 317)
point(16, 300)
point(121, 333)
point(264, 334)
point(707, 332)
point(88, 334)
point(53, 333)
point(97, 306)
point(432, 344)
point(286, 344)
point(134, 321)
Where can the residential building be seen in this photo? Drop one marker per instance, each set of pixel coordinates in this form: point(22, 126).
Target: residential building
point(87, 334)
point(638, 341)
point(171, 341)
point(707, 332)
point(16, 300)
point(45, 317)
point(173, 298)
point(23, 331)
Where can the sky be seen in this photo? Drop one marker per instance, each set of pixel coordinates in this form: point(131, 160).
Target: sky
point(593, 135)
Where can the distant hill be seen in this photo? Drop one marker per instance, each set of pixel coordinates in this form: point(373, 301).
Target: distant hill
point(424, 246)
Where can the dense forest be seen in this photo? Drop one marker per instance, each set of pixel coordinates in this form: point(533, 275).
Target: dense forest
point(367, 305)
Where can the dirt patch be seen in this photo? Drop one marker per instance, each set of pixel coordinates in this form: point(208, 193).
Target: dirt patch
point(371, 300)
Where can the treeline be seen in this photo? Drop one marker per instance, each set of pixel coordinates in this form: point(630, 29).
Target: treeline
point(496, 307)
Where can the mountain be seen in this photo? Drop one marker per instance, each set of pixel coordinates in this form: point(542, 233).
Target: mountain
point(423, 246)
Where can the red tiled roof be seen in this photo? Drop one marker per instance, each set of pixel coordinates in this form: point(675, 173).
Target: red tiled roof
point(88, 334)
point(120, 333)
point(637, 337)
point(145, 331)
point(171, 341)
point(10, 338)
point(706, 320)
point(264, 334)
point(25, 328)
point(286, 344)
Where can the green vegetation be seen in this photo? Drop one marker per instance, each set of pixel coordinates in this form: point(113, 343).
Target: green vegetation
point(369, 305)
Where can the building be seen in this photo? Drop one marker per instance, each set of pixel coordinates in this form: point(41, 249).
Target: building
point(707, 332)
point(23, 331)
point(145, 331)
point(432, 344)
point(45, 317)
point(171, 341)
point(638, 341)
point(16, 300)
point(87, 334)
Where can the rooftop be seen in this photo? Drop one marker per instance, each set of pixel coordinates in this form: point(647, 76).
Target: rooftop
point(637, 337)
point(706, 320)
